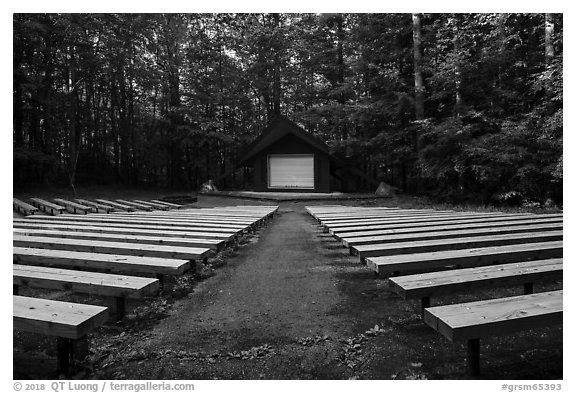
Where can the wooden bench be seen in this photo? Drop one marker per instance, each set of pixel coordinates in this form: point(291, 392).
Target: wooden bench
point(47, 207)
point(168, 204)
point(69, 322)
point(160, 267)
point(437, 235)
point(172, 215)
point(338, 232)
point(399, 248)
point(420, 218)
point(471, 257)
point(128, 230)
point(96, 207)
point(135, 205)
point(136, 249)
point(421, 230)
point(193, 231)
point(424, 286)
point(128, 238)
point(114, 287)
point(116, 205)
point(153, 205)
point(143, 220)
point(23, 207)
point(353, 217)
point(73, 207)
point(487, 318)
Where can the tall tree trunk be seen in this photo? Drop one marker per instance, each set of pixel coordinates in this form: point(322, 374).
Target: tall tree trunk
point(341, 98)
point(74, 147)
point(276, 90)
point(549, 38)
point(418, 78)
point(458, 107)
point(418, 93)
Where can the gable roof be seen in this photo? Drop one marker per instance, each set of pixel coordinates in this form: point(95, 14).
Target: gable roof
point(278, 129)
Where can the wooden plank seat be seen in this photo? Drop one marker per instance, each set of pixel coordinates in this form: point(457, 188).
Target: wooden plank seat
point(158, 216)
point(168, 204)
point(116, 205)
point(70, 323)
point(428, 219)
point(197, 218)
point(116, 288)
point(130, 264)
point(73, 207)
point(130, 230)
point(412, 218)
point(357, 210)
point(406, 237)
point(426, 285)
point(153, 205)
point(224, 222)
point(445, 222)
point(47, 207)
point(441, 228)
point(137, 249)
point(375, 214)
point(471, 257)
point(135, 205)
point(488, 318)
point(128, 238)
point(112, 218)
point(96, 207)
point(371, 250)
point(134, 224)
point(236, 212)
point(232, 218)
point(221, 215)
point(23, 207)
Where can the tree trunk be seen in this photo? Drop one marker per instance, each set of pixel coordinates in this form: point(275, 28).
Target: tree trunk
point(457, 67)
point(418, 79)
point(342, 98)
point(418, 93)
point(74, 148)
point(549, 38)
point(276, 90)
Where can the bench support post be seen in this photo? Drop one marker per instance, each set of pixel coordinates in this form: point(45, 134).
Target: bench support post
point(528, 288)
point(161, 278)
point(474, 356)
point(117, 308)
point(424, 303)
point(68, 350)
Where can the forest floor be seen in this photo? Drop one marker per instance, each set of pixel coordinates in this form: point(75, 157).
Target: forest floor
point(289, 303)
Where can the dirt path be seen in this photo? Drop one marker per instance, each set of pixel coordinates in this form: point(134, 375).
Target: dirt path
point(279, 291)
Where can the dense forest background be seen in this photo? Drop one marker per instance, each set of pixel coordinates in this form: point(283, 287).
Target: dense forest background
point(461, 107)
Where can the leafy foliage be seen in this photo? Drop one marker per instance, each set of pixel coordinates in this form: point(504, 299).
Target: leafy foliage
point(172, 99)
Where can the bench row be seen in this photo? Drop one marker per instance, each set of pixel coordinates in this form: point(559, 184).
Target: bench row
point(519, 250)
point(61, 258)
point(83, 206)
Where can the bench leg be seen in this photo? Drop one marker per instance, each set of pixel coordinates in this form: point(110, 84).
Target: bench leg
point(424, 303)
point(528, 288)
point(68, 350)
point(161, 280)
point(117, 308)
point(474, 356)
